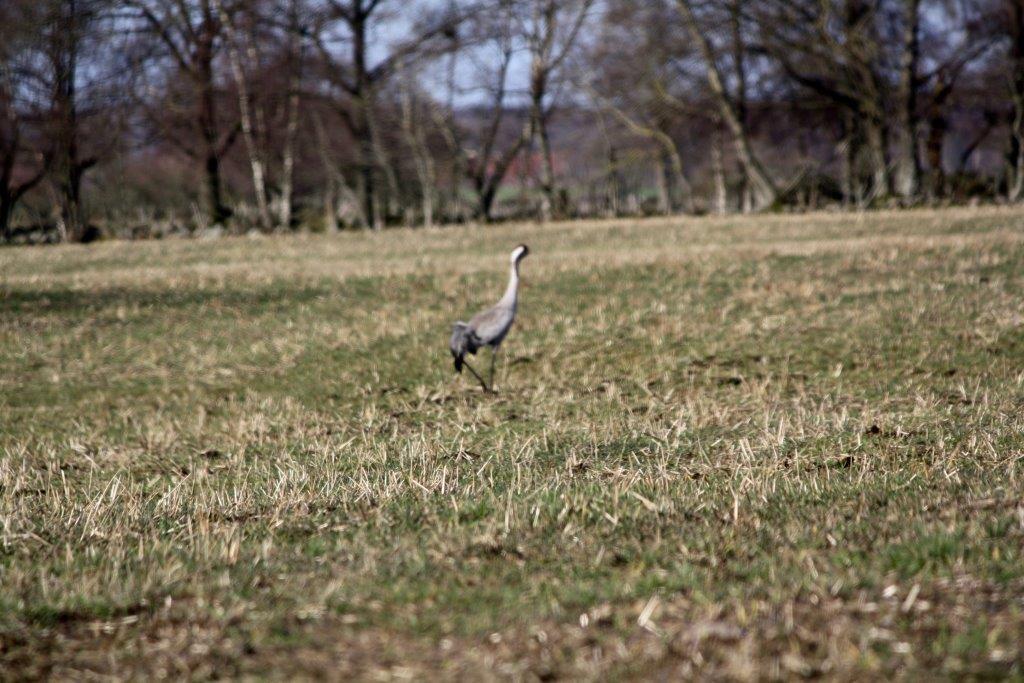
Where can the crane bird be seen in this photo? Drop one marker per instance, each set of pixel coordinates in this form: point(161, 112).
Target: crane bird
point(488, 328)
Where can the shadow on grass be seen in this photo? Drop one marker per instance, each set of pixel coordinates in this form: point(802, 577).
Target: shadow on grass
point(72, 302)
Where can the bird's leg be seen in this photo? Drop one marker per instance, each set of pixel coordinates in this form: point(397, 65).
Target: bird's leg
point(494, 354)
point(478, 377)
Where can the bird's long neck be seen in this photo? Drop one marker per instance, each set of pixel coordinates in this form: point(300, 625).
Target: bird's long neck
point(511, 292)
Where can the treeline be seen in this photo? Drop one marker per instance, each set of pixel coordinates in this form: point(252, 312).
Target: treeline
point(147, 117)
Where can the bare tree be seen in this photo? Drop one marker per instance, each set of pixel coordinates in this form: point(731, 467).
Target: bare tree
point(360, 76)
point(299, 18)
point(414, 129)
point(551, 29)
point(24, 160)
point(70, 28)
point(489, 161)
point(192, 34)
point(237, 42)
point(633, 46)
point(22, 166)
point(57, 104)
point(909, 118)
point(490, 135)
point(763, 190)
point(1013, 11)
point(439, 101)
point(832, 48)
point(266, 57)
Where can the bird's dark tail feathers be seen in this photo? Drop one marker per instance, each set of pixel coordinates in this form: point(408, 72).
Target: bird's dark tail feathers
point(463, 341)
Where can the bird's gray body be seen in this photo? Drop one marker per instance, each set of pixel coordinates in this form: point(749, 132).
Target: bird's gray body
point(489, 327)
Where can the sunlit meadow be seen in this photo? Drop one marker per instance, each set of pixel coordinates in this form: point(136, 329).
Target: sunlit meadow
point(746, 448)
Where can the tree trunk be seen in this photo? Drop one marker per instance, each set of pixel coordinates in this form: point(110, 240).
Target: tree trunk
point(455, 207)
point(848, 155)
point(540, 42)
point(388, 203)
point(11, 192)
point(938, 125)
point(548, 203)
point(662, 175)
point(9, 156)
point(72, 214)
point(680, 191)
point(423, 161)
point(487, 181)
point(485, 204)
point(1015, 160)
point(910, 182)
point(547, 178)
point(744, 191)
point(761, 186)
point(360, 118)
point(259, 178)
point(428, 184)
point(330, 198)
point(284, 218)
point(876, 140)
point(427, 206)
point(330, 207)
point(614, 181)
point(455, 199)
point(720, 201)
point(1015, 185)
point(678, 186)
point(7, 199)
point(286, 208)
point(70, 168)
point(6, 209)
point(212, 194)
point(364, 153)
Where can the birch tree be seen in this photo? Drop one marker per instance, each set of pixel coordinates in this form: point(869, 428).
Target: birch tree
point(236, 42)
point(763, 190)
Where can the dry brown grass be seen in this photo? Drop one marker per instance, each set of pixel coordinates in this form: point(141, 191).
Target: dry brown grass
point(743, 448)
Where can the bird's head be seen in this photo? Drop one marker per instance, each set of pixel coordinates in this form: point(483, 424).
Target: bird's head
point(519, 253)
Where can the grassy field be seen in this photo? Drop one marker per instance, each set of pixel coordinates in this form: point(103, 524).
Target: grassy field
point(743, 448)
